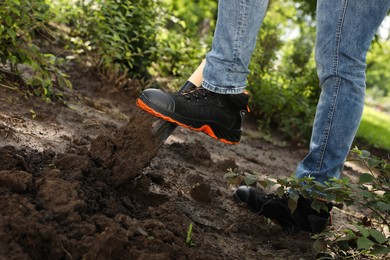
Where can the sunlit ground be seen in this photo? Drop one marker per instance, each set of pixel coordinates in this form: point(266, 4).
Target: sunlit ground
point(375, 128)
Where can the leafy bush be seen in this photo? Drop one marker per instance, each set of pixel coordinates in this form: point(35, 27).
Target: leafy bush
point(283, 79)
point(21, 19)
point(366, 238)
point(184, 37)
point(378, 67)
point(122, 34)
point(139, 38)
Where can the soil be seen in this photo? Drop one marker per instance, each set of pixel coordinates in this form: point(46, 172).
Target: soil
point(84, 178)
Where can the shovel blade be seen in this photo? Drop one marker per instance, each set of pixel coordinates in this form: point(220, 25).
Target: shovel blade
point(161, 129)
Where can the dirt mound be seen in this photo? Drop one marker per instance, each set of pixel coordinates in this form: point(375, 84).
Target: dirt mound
point(62, 206)
point(127, 151)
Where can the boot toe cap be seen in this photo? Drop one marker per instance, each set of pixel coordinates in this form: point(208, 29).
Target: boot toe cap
point(242, 194)
point(158, 98)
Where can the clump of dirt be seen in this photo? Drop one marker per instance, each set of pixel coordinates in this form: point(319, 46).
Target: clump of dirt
point(127, 151)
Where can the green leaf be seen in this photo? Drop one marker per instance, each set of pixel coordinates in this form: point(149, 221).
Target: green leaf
point(305, 194)
point(294, 195)
point(330, 197)
point(347, 237)
point(280, 191)
point(356, 150)
point(319, 246)
point(250, 179)
point(264, 184)
point(36, 82)
point(380, 250)
point(336, 187)
point(12, 33)
point(378, 236)
point(367, 194)
point(15, 11)
point(364, 243)
point(372, 162)
point(363, 231)
point(317, 205)
point(365, 177)
point(383, 206)
point(189, 235)
point(33, 114)
point(8, 21)
point(230, 175)
point(292, 205)
point(344, 245)
point(365, 154)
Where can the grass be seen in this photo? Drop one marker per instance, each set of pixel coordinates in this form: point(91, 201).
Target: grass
point(375, 128)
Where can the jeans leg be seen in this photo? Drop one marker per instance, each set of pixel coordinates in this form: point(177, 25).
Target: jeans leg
point(345, 29)
point(234, 40)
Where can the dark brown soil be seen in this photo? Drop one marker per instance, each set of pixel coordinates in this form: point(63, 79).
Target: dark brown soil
point(85, 179)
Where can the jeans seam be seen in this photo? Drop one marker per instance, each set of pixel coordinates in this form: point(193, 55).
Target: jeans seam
point(328, 125)
point(336, 53)
point(239, 35)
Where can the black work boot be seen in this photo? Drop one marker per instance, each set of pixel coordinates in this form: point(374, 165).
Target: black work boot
point(276, 208)
point(218, 115)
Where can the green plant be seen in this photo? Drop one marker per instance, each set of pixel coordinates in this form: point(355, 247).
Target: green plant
point(21, 20)
point(189, 241)
point(367, 237)
point(183, 39)
point(283, 82)
point(120, 34)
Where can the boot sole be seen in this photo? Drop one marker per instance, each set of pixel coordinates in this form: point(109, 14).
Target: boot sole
point(220, 133)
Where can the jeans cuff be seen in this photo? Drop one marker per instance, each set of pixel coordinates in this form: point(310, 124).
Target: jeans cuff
point(223, 90)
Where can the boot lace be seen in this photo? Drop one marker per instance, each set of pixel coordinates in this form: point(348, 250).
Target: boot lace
point(197, 93)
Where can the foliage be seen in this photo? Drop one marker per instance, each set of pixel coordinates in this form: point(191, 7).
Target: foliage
point(307, 7)
point(20, 21)
point(378, 67)
point(184, 37)
point(367, 237)
point(197, 17)
point(139, 38)
point(122, 34)
point(283, 80)
point(374, 128)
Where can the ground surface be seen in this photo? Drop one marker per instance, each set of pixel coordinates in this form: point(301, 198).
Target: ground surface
point(85, 179)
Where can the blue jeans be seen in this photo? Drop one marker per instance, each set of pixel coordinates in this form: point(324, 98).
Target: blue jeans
point(235, 36)
point(345, 29)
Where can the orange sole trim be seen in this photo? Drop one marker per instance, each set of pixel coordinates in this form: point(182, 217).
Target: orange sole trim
point(205, 128)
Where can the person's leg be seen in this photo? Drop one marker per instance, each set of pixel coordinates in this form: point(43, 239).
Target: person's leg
point(345, 29)
point(197, 76)
point(234, 40)
point(218, 107)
